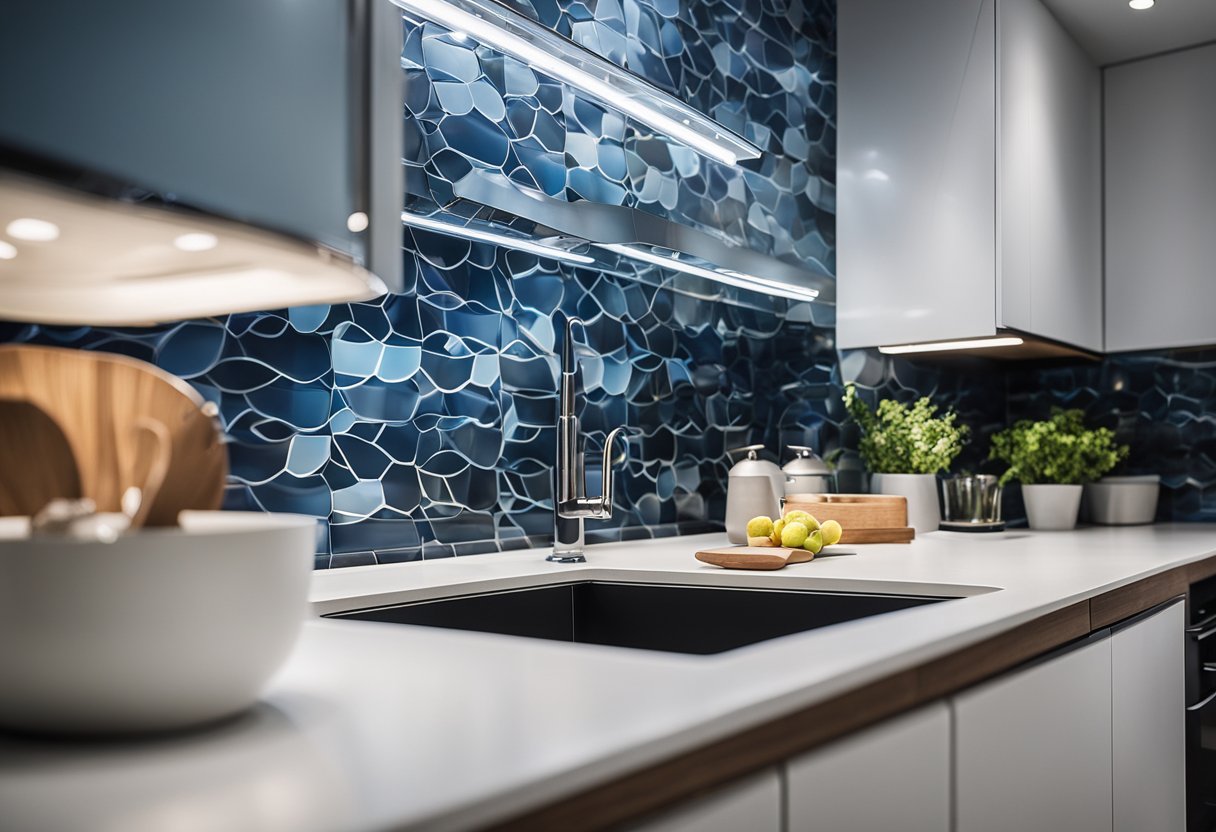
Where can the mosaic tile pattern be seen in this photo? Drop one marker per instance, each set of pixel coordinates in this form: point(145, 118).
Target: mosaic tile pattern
point(766, 71)
point(421, 425)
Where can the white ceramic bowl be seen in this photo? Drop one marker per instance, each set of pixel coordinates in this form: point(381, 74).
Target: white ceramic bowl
point(161, 629)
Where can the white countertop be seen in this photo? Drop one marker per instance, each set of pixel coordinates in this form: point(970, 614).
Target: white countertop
point(382, 726)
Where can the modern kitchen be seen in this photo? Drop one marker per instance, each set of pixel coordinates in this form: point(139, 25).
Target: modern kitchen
point(648, 415)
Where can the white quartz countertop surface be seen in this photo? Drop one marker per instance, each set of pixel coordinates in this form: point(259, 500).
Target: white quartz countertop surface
point(383, 726)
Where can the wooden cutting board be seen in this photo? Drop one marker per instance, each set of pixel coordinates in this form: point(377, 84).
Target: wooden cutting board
point(853, 511)
point(754, 557)
point(97, 399)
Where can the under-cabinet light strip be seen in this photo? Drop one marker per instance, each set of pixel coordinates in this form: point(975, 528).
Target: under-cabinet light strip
point(730, 278)
point(503, 29)
point(478, 235)
point(942, 346)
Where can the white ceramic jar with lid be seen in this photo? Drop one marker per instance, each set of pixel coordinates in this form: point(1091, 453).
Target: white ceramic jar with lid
point(806, 473)
point(754, 488)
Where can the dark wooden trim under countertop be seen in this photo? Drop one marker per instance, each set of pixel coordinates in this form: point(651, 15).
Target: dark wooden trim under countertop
point(702, 770)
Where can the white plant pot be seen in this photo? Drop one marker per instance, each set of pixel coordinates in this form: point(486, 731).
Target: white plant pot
point(924, 514)
point(1123, 501)
point(1052, 508)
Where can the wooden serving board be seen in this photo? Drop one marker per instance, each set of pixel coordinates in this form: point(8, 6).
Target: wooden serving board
point(754, 557)
point(853, 511)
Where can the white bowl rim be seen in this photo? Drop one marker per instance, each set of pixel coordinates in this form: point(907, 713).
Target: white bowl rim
point(193, 524)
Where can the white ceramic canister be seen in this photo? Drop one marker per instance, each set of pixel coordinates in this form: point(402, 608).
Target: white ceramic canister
point(754, 488)
point(924, 514)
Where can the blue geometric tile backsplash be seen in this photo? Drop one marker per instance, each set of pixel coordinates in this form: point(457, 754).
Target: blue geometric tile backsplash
point(421, 425)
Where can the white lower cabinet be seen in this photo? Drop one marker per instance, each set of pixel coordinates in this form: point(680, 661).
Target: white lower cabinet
point(1148, 731)
point(752, 804)
point(893, 776)
point(1090, 739)
point(1033, 748)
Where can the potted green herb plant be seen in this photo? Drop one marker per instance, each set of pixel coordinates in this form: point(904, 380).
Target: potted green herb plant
point(1053, 459)
point(904, 447)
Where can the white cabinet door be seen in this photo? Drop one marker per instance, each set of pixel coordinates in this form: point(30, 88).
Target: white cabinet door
point(752, 804)
point(1148, 696)
point(1161, 201)
point(916, 171)
point(893, 776)
point(1033, 748)
point(968, 172)
point(1050, 179)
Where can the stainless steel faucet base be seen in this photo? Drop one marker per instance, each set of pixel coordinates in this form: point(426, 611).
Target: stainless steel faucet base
point(556, 558)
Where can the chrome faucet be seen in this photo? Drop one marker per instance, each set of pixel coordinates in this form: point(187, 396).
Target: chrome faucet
point(571, 505)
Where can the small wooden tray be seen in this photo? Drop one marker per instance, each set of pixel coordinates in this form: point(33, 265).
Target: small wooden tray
point(853, 511)
point(904, 535)
point(754, 557)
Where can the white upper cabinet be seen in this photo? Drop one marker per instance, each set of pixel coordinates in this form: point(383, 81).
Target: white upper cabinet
point(969, 174)
point(1161, 201)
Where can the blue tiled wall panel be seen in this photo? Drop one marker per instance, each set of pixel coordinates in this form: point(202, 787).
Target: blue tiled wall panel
point(421, 425)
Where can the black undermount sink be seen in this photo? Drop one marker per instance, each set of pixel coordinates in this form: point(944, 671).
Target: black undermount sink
point(676, 619)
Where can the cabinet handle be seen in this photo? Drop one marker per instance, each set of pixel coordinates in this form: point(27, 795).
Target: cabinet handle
point(1199, 706)
point(1199, 634)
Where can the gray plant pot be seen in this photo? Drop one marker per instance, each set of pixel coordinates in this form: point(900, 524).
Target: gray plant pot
point(1050, 507)
point(1123, 501)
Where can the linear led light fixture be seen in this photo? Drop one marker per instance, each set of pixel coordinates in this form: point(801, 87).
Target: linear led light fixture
point(509, 32)
point(478, 235)
point(942, 346)
point(730, 278)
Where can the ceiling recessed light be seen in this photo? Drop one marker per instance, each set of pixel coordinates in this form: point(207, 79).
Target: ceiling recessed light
point(196, 241)
point(7, 250)
point(33, 230)
point(1141, 5)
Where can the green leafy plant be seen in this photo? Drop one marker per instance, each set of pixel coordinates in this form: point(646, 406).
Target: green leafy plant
point(1058, 450)
point(905, 439)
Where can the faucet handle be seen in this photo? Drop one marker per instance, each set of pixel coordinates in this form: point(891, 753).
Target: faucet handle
point(608, 474)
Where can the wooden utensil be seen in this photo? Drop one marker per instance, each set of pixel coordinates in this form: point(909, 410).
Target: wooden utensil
point(153, 454)
point(754, 557)
point(97, 399)
point(36, 461)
